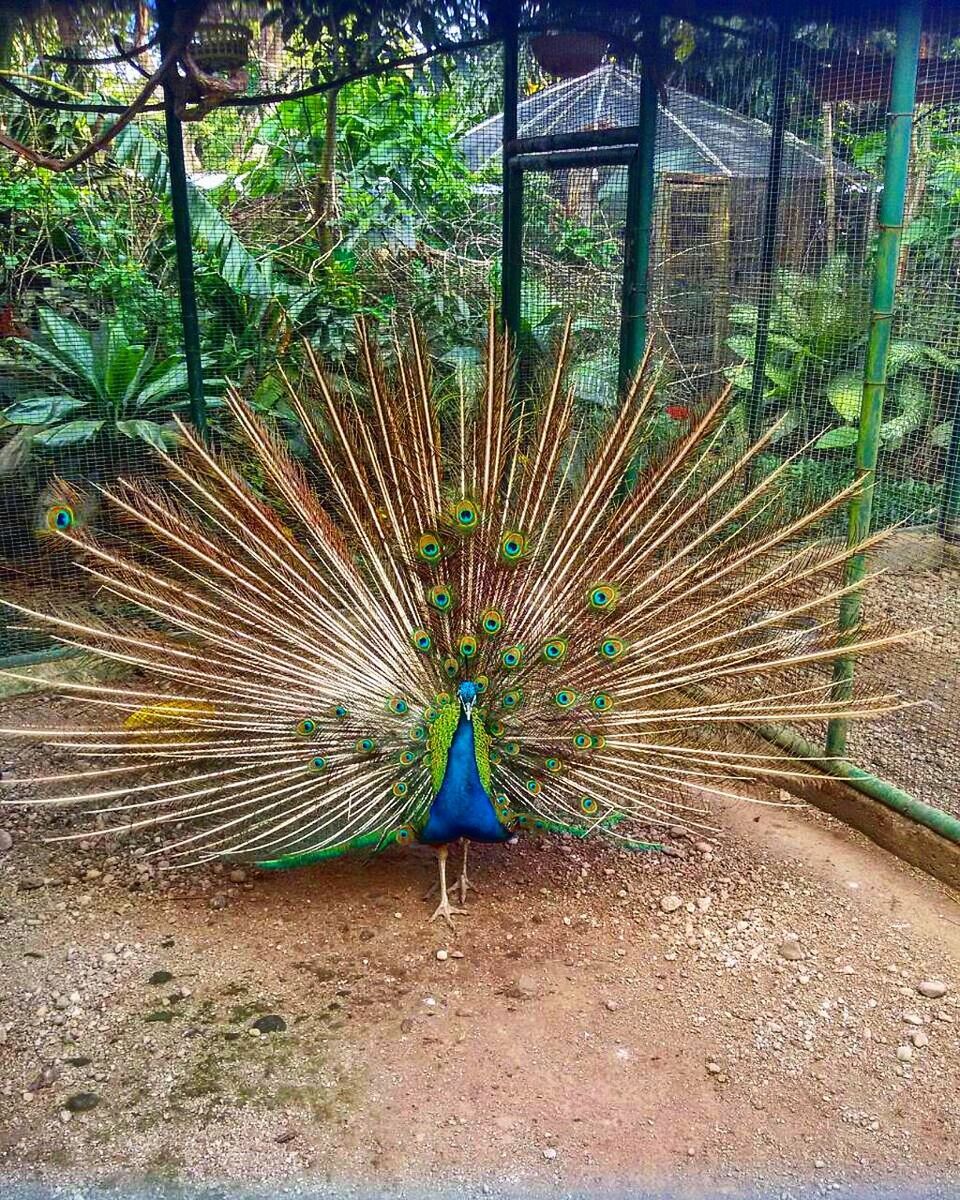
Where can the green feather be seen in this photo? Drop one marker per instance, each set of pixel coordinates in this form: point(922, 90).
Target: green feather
point(441, 738)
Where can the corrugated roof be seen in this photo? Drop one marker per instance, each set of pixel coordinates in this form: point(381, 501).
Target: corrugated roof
point(694, 137)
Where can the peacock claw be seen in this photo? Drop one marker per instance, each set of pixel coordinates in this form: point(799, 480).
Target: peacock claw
point(463, 885)
point(448, 912)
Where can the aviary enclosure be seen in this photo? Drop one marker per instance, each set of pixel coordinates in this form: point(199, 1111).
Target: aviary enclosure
point(771, 197)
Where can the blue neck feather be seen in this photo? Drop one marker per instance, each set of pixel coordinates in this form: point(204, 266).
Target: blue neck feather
point(462, 808)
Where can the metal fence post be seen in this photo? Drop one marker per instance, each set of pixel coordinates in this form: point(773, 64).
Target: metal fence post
point(768, 243)
point(180, 203)
point(639, 225)
point(890, 224)
point(512, 232)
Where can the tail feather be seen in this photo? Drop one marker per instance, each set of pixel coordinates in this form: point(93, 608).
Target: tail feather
point(302, 640)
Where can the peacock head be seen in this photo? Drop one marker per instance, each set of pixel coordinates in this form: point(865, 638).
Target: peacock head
point(467, 694)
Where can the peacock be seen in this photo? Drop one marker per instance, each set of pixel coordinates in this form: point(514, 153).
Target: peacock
point(458, 622)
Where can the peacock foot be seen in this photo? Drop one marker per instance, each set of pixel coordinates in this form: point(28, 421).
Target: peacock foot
point(464, 885)
point(446, 910)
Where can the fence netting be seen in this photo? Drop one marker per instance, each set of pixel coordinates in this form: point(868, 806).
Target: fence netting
point(383, 197)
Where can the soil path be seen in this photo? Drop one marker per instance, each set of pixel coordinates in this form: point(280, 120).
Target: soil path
point(767, 1029)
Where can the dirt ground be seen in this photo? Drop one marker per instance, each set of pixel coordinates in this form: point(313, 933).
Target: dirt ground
point(573, 1034)
point(918, 749)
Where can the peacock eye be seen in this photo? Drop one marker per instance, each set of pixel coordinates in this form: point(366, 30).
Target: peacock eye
point(611, 648)
point(602, 702)
point(554, 650)
point(534, 787)
point(491, 622)
point(429, 547)
point(422, 640)
point(582, 741)
point(400, 789)
point(319, 763)
point(589, 805)
point(602, 595)
point(441, 598)
point(565, 698)
point(467, 515)
point(513, 546)
point(398, 706)
point(512, 657)
point(468, 647)
point(306, 727)
point(341, 711)
point(365, 745)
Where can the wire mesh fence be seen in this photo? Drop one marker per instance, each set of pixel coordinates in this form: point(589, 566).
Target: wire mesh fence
point(383, 196)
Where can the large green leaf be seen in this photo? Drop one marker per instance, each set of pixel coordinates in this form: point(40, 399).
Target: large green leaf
point(835, 439)
point(134, 148)
point(72, 433)
point(170, 380)
point(71, 344)
point(845, 392)
point(146, 431)
point(41, 410)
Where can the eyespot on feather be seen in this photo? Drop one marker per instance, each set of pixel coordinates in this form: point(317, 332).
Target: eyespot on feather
point(422, 640)
point(306, 727)
point(430, 547)
point(602, 596)
point(440, 598)
point(565, 698)
point(513, 546)
point(554, 651)
point(467, 646)
point(60, 518)
point(398, 706)
point(491, 622)
point(602, 702)
point(318, 763)
point(589, 805)
point(611, 648)
point(365, 745)
point(512, 657)
point(466, 515)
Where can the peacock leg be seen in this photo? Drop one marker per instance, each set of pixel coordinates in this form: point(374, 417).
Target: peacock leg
point(444, 908)
point(463, 883)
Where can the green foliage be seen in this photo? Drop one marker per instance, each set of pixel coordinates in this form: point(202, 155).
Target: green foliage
point(813, 373)
point(70, 387)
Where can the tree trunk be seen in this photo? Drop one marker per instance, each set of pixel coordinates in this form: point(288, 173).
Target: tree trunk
point(324, 201)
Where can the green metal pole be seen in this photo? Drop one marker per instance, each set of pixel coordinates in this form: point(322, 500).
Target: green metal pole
point(890, 224)
point(512, 233)
point(182, 234)
point(639, 226)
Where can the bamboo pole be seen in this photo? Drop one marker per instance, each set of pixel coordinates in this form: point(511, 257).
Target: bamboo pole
point(890, 224)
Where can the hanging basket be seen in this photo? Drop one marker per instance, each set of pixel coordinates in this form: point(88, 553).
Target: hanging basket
point(568, 55)
point(219, 47)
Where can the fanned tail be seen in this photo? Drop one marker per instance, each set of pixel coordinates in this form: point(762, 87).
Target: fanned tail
point(299, 644)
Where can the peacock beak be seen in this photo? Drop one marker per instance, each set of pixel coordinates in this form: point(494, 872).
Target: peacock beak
point(468, 708)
